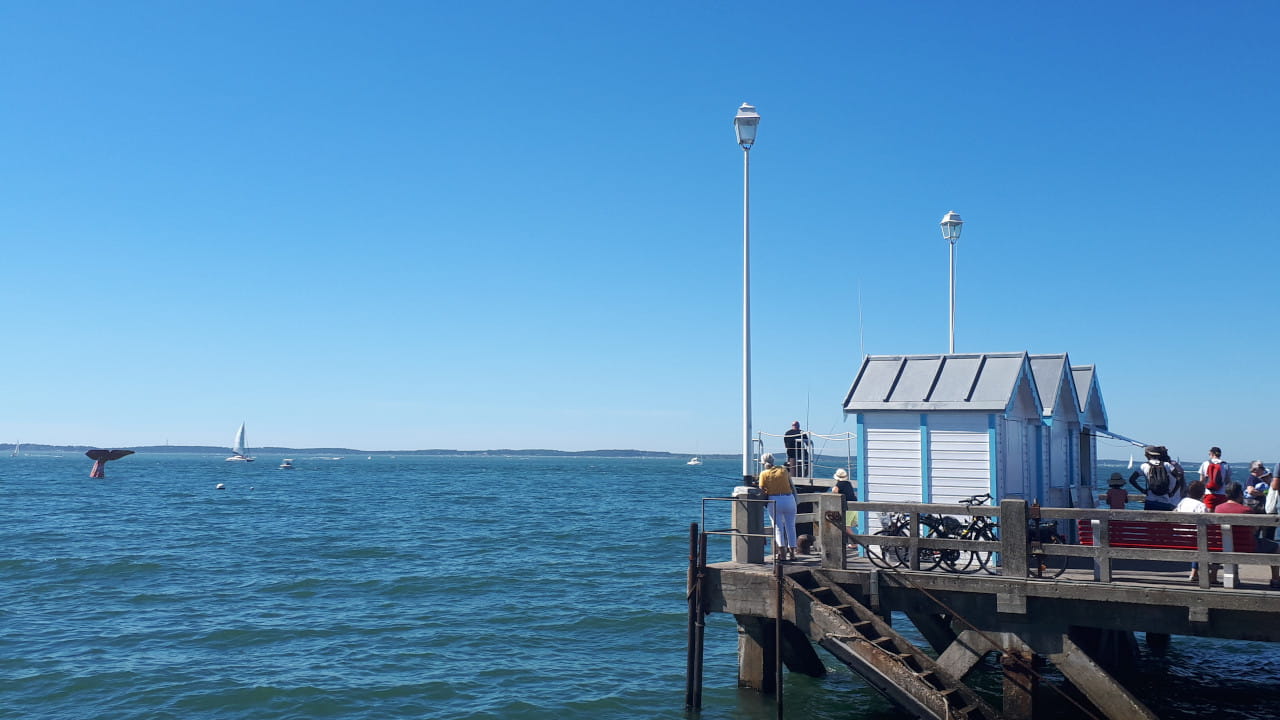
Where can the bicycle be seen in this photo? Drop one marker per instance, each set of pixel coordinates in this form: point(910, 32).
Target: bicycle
point(1040, 533)
point(896, 525)
point(979, 528)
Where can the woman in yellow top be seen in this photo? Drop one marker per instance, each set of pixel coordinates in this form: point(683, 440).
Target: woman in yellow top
point(782, 510)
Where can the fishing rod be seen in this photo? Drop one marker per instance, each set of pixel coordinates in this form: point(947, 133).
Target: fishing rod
point(1107, 433)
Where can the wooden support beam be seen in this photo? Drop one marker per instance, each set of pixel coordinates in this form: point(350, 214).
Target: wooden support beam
point(1115, 650)
point(1020, 683)
point(1013, 539)
point(748, 517)
point(798, 653)
point(967, 650)
point(831, 530)
point(1013, 556)
point(935, 627)
point(755, 653)
point(1103, 691)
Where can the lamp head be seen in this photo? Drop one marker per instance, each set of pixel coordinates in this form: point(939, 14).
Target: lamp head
point(745, 123)
point(951, 223)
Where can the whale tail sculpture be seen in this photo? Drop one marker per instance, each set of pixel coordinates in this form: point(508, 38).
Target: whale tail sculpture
point(100, 458)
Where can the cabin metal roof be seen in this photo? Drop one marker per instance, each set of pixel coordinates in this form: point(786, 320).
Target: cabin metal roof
point(1052, 372)
point(975, 382)
point(1092, 410)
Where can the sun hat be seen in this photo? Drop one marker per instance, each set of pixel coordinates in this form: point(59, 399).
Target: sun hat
point(1256, 465)
point(1117, 479)
point(841, 474)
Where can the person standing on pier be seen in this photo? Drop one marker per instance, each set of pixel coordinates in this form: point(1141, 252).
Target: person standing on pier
point(845, 488)
point(1216, 474)
point(1161, 489)
point(776, 483)
point(1256, 487)
point(798, 444)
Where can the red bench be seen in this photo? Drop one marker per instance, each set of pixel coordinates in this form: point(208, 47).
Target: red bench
point(1168, 536)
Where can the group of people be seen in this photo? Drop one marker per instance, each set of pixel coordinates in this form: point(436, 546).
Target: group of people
point(775, 483)
point(1163, 482)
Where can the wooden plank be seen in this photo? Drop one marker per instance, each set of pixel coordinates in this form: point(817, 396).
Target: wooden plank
point(831, 530)
point(964, 652)
point(1103, 691)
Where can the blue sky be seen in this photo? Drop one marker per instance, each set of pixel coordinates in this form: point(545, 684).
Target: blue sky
point(403, 225)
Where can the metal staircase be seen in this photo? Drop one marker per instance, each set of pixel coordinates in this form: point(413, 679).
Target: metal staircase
point(834, 619)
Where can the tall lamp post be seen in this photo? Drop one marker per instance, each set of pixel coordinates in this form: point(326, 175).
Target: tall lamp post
point(951, 223)
point(745, 123)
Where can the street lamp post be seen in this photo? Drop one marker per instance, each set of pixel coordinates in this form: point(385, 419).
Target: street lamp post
point(951, 223)
point(745, 123)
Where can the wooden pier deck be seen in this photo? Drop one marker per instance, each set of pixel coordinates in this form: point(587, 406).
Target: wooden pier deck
point(1082, 622)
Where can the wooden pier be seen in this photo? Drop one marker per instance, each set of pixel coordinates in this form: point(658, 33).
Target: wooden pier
point(1081, 622)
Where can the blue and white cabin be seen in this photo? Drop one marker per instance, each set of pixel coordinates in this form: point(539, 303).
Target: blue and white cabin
point(940, 428)
point(1060, 446)
point(1093, 419)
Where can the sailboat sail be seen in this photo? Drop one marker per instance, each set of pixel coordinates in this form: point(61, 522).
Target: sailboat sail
point(238, 450)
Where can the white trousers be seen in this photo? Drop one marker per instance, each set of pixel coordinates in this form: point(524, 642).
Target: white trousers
point(783, 513)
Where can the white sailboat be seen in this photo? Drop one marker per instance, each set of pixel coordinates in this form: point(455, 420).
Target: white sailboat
point(695, 460)
point(237, 451)
point(17, 448)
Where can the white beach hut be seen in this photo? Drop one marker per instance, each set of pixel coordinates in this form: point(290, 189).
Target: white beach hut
point(1060, 465)
point(1093, 421)
point(939, 428)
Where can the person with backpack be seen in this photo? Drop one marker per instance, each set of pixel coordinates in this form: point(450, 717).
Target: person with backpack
point(1162, 489)
point(1256, 487)
point(1216, 474)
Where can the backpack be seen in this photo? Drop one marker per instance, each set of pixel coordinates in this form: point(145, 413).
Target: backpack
point(1213, 478)
point(1254, 503)
point(1157, 479)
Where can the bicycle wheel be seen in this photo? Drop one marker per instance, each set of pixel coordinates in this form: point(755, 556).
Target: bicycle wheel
point(1050, 566)
point(930, 558)
point(961, 561)
point(883, 555)
point(986, 558)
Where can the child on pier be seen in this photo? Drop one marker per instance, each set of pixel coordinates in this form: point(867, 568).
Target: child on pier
point(1117, 496)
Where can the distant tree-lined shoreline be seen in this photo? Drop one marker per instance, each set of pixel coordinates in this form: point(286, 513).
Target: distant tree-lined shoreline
point(215, 449)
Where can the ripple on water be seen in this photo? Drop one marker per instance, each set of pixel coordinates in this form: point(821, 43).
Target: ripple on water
point(399, 589)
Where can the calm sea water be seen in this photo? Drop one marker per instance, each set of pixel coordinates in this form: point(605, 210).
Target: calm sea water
point(405, 588)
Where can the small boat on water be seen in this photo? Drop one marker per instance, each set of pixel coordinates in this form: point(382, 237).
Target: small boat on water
point(238, 450)
point(287, 464)
point(17, 448)
point(694, 461)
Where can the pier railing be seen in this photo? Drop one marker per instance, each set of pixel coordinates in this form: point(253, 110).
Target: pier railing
point(1014, 549)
